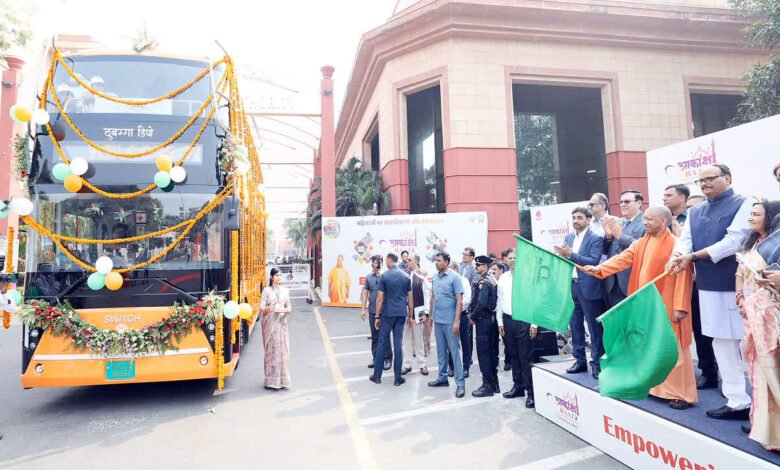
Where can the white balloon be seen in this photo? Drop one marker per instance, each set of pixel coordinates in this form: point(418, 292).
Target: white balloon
point(79, 166)
point(40, 116)
point(104, 265)
point(22, 205)
point(177, 174)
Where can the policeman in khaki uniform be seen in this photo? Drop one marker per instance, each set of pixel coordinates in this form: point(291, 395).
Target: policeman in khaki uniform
point(482, 314)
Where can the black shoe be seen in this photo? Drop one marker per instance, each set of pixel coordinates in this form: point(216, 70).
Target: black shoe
point(439, 383)
point(376, 380)
point(507, 366)
point(406, 370)
point(460, 392)
point(399, 381)
point(451, 373)
point(704, 382)
point(271, 389)
point(596, 372)
point(388, 364)
point(746, 428)
point(496, 388)
point(465, 373)
point(726, 412)
point(679, 405)
point(577, 368)
point(515, 392)
point(371, 366)
point(529, 402)
point(483, 391)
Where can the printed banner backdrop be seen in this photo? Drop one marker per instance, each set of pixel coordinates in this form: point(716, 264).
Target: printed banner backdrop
point(631, 435)
point(348, 243)
point(751, 151)
point(295, 277)
point(549, 224)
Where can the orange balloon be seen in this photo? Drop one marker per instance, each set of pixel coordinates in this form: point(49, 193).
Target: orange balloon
point(164, 163)
point(114, 280)
point(73, 183)
point(245, 311)
point(23, 113)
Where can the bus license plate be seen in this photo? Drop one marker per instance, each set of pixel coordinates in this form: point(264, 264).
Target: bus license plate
point(120, 370)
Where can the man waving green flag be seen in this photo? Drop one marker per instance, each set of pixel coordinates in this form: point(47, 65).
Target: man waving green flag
point(541, 287)
point(640, 346)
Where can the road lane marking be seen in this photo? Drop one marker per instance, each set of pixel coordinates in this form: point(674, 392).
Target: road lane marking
point(561, 460)
point(349, 337)
point(357, 432)
point(451, 404)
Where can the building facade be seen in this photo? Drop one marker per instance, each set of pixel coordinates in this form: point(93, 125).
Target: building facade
point(502, 105)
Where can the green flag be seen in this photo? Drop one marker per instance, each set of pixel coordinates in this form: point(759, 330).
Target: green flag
point(541, 287)
point(640, 346)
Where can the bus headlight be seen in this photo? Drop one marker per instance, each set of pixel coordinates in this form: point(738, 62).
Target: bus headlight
point(34, 333)
point(33, 345)
point(39, 368)
point(210, 326)
point(211, 338)
point(204, 360)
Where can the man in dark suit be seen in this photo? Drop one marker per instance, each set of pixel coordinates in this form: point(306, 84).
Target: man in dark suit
point(619, 234)
point(584, 247)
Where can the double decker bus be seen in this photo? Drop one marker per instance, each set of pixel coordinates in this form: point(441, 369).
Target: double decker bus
point(223, 253)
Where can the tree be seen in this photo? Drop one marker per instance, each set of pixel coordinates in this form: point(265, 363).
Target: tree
point(359, 191)
point(14, 28)
point(296, 233)
point(761, 97)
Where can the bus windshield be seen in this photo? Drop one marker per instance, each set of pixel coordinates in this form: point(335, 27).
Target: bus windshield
point(92, 216)
point(118, 76)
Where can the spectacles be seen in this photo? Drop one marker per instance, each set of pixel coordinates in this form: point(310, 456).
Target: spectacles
point(591, 204)
point(466, 254)
point(708, 180)
point(626, 201)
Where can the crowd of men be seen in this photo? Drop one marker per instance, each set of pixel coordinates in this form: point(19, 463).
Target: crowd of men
point(691, 236)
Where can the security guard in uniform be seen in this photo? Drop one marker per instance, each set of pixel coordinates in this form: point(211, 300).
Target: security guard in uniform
point(482, 314)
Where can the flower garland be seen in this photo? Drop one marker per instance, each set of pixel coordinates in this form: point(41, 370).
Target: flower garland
point(57, 56)
point(9, 264)
point(56, 238)
point(159, 337)
point(94, 145)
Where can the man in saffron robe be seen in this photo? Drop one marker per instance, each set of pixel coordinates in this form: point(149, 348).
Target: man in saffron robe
point(339, 282)
point(647, 257)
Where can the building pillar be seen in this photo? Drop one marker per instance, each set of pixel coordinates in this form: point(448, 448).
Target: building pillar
point(626, 170)
point(8, 96)
point(328, 144)
point(485, 179)
point(395, 181)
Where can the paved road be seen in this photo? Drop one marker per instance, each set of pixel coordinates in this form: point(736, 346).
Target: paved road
point(333, 416)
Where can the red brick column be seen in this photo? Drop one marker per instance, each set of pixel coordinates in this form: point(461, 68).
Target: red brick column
point(395, 179)
point(626, 170)
point(8, 94)
point(485, 179)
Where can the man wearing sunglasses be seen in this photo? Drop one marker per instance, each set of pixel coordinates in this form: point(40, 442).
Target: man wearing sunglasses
point(619, 234)
point(710, 239)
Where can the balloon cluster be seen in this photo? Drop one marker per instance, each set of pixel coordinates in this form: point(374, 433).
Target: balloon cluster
point(22, 114)
point(105, 277)
point(233, 309)
point(169, 173)
point(71, 174)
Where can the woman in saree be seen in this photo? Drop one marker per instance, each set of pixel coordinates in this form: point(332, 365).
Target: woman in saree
point(760, 346)
point(274, 306)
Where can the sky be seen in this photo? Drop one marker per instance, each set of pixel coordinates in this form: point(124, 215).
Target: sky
point(285, 41)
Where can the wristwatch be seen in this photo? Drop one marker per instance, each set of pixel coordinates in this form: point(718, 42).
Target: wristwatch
point(694, 257)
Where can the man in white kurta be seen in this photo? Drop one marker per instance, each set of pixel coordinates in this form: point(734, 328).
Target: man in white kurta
point(720, 317)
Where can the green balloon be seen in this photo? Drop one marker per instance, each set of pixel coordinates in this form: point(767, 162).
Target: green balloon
point(96, 281)
point(5, 209)
point(170, 187)
point(61, 171)
point(162, 179)
point(15, 296)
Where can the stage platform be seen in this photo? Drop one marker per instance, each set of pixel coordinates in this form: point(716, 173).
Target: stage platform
point(646, 434)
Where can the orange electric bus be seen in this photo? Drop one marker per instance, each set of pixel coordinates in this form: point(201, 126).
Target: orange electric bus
point(203, 262)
